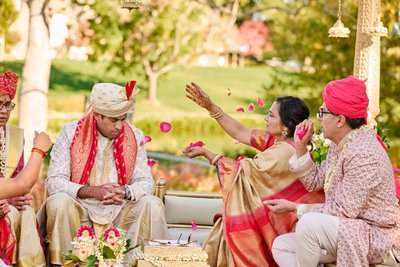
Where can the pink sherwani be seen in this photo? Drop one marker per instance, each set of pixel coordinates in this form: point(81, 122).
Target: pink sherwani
point(362, 194)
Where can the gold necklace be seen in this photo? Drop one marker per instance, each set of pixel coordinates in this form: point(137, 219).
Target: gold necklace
point(344, 143)
point(2, 152)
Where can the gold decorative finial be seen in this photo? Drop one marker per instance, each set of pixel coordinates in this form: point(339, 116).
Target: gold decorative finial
point(130, 4)
point(339, 30)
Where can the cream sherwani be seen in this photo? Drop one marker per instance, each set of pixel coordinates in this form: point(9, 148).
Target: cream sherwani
point(141, 218)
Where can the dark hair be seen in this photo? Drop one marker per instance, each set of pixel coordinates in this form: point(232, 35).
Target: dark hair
point(292, 111)
point(355, 123)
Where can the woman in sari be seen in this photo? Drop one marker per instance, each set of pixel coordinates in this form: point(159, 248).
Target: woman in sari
point(244, 234)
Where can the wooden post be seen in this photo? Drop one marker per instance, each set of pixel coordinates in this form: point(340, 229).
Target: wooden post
point(367, 57)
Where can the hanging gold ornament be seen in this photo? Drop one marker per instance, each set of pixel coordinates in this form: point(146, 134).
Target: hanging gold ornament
point(339, 30)
point(130, 4)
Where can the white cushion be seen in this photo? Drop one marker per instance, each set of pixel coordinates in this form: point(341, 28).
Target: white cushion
point(182, 210)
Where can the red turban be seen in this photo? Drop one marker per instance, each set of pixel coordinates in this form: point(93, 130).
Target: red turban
point(347, 97)
point(8, 84)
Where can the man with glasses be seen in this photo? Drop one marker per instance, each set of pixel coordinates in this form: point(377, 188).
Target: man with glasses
point(28, 250)
point(359, 222)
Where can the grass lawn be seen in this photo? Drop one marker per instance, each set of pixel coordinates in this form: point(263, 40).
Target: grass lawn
point(71, 81)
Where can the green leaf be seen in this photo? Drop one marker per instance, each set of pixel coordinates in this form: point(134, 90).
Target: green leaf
point(73, 258)
point(91, 261)
point(108, 253)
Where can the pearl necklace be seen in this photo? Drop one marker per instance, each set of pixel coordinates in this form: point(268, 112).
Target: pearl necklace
point(344, 144)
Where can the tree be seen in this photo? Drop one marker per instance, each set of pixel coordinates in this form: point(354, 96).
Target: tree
point(303, 38)
point(157, 37)
point(7, 16)
point(35, 73)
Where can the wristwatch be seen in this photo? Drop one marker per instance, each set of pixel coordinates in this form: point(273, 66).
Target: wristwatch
point(128, 193)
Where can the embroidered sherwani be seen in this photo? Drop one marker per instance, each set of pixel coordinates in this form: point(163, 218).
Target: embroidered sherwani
point(28, 250)
point(361, 193)
point(142, 218)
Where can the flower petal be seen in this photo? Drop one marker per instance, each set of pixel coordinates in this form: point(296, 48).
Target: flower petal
point(165, 127)
point(198, 143)
point(146, 139)
point(260, 102)
point(151, 162)
point(239, 159)
point(194, 225)
point(251, 107)
point(300, 133)
point(240, 109)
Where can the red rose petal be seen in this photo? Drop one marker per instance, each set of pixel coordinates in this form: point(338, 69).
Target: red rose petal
point(146, 139)
point(165, 127)
point(240, 110)
point(198, 143)
point(194, 225)
point(239, 159)
point(251, 107)
point(151, 162)
point(260, 102)
point(301, 133)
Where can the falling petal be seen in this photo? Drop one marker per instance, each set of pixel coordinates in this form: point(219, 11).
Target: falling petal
point(229, 92)
point(151, 162)
point(198, 143)
point(260, 102)
point(146, 139)
point(240, 110)
point(194, 225)
point(300, 133)
point(251, 107)
point(239, 159)
point(165, 127)
point(236, 142)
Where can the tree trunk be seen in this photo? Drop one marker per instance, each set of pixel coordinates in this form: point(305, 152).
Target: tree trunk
point(152, 96)
point(35, 74)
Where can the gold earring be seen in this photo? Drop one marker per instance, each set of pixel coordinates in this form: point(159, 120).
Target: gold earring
point(284, 134)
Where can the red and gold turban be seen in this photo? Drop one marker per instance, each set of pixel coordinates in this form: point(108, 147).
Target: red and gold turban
point(347, 97)
point(8, 84)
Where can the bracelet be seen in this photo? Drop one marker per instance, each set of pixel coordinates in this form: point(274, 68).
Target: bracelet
point(217, 114)
point(215, 159)
point(299, 210)
point(38, 150)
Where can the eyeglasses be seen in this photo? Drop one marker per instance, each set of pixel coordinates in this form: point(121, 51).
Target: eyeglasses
point(322, 111)
point(8, 105)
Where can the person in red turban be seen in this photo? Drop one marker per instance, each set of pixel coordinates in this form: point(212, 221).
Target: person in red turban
point(17, 218)
point(359, 222)
point(8, 84)
point(347, 97)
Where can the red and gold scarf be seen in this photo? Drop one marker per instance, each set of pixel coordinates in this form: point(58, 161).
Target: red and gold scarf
point(84, 148)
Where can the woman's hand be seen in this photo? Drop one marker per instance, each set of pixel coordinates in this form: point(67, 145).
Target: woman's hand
point(20, 203)
point(4, 209)
point(197, 95)
point(280, 206)
point(42, 141)
point(194, 151)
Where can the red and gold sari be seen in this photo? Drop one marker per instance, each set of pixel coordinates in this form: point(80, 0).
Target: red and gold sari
point(244, 235)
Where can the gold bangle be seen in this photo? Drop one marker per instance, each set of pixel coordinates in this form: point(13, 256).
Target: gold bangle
point(217, 114)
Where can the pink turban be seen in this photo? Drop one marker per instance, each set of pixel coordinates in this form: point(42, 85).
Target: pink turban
point(347, 97)
point(8, 84)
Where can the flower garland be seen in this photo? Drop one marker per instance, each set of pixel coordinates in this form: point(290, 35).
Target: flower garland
point(157, 260)
point(2, 152)
point(344, 144)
